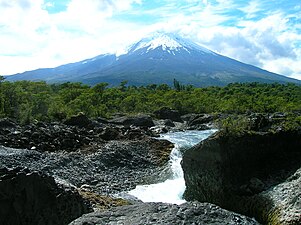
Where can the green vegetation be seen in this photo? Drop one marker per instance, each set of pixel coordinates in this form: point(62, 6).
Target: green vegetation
point(234, 125)
point(240, 124)
point(26, 101)
point(292, 123)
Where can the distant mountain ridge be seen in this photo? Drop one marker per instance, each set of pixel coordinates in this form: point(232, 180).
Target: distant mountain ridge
point(157, 59)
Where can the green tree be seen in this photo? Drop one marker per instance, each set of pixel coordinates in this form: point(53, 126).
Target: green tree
point(2, 78)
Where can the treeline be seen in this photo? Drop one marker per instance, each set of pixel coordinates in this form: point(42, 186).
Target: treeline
point(26, 101)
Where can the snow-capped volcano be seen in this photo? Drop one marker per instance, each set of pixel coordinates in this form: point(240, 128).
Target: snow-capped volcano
point(156, 59)
point(167, 42)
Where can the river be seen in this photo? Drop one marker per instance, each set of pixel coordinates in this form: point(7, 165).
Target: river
point(171, 190)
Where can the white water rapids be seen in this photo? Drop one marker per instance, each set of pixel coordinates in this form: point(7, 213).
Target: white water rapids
point(172, 189)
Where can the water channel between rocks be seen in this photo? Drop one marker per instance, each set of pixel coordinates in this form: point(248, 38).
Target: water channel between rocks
point(171, 190)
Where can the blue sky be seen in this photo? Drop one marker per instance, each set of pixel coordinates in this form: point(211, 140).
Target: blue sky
point(48, 33)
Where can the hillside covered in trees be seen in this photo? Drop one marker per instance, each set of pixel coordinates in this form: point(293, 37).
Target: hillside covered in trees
point(26, 101)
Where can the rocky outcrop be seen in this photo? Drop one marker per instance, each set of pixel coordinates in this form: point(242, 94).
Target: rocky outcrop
point(80, 120)
point(108, 169)
point(259, 122)
point(199, 121)
point(167, 125)
point(108, 157)
point(138, 121)
point(284, 202)
point(53, 137)
point(167, 113)
point(48, 137)
point(7, 123)
point(247, 173)
point(160, 213)
point(28, 198)
point(196, 119)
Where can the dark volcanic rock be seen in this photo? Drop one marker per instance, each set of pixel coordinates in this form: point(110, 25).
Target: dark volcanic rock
point(33, 198)
point(102, 120)
point(160, 213)
point(188, 116)
point(259, 121)
point(7, 123)
point(111, 158)
point(243, 173)
point(110, 133)
point(55, 136)
point(49, 137)
point(169, 123)
point(80, 120)
point(198, 121)
point(109, 168)
point(138, 121)
point(167, 113)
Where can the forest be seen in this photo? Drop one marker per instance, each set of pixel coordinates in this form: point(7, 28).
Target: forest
point(26, 101)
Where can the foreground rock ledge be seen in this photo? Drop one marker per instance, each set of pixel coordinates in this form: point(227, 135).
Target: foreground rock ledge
point(34, 198)
point(256, 174)
point(161, 213)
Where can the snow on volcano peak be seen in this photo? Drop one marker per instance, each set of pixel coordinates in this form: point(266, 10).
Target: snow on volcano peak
point(163, 41)
point(168, 42)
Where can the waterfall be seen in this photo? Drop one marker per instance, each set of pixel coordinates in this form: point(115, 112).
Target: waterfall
point(172, 189)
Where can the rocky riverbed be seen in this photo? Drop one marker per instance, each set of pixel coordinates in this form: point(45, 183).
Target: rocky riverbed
point(92, 162)
point(107, 156)
point(108, 159)
point(94, 159)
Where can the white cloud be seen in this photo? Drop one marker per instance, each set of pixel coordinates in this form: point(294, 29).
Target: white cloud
point(251, 9)
point(48, 4)
point(32, 38)
point(270, 43)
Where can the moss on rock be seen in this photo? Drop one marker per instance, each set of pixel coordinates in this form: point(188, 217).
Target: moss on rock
point(102, 202)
